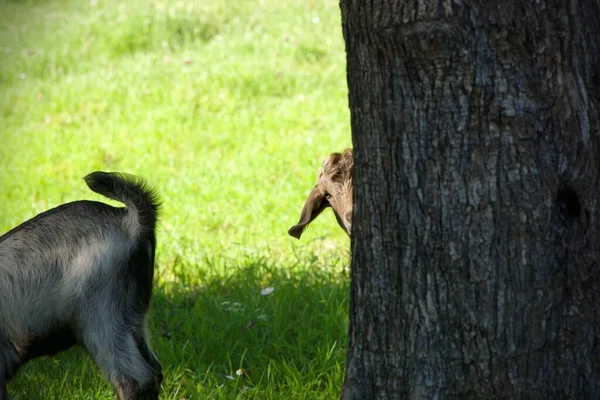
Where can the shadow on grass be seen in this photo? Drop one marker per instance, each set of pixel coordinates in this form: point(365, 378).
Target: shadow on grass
point(255, 330)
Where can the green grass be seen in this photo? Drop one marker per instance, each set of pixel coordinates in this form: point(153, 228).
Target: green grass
point(228, 108)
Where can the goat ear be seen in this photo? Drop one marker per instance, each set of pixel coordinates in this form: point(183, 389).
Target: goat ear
point(314, 205)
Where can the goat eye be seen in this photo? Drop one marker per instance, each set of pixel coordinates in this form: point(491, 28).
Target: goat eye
point(327, 195)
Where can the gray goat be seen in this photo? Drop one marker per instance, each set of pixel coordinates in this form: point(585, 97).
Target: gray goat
point(333, 189)
point(81, 273)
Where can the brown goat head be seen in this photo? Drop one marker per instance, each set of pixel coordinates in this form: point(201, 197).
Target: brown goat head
point(333, 189)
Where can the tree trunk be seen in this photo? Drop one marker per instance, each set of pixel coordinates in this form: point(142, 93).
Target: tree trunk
point(476, 231)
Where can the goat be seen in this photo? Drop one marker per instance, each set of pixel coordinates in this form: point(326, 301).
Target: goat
point(333, 189)
point(81, 273)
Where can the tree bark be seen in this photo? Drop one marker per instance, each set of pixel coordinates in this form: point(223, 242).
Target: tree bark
point(476, 230)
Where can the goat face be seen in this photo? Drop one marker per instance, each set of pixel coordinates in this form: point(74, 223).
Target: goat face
point(333, 189)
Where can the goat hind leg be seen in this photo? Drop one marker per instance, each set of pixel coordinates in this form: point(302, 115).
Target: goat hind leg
point(148, 355)
point(9, 363)
point(126, 360)
point(3, 389)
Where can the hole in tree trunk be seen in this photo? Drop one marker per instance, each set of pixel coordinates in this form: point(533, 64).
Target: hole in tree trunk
point(568, 202)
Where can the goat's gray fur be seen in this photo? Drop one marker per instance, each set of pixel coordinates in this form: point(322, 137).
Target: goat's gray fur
point(81, 273)
point(333, 189)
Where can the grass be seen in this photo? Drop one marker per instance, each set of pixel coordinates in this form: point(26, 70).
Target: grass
point(227, 108)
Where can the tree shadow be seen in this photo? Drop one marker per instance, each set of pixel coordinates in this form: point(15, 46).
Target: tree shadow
point(268, 323)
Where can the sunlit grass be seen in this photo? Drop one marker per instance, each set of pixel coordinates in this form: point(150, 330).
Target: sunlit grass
point(228, 109)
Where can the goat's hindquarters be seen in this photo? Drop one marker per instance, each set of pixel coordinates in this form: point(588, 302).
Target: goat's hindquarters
point(125, 359)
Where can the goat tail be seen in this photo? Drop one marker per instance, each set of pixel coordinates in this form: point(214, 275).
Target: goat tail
point(141, 201)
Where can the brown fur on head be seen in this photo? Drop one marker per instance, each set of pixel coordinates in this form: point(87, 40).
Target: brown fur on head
point(333, 189)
